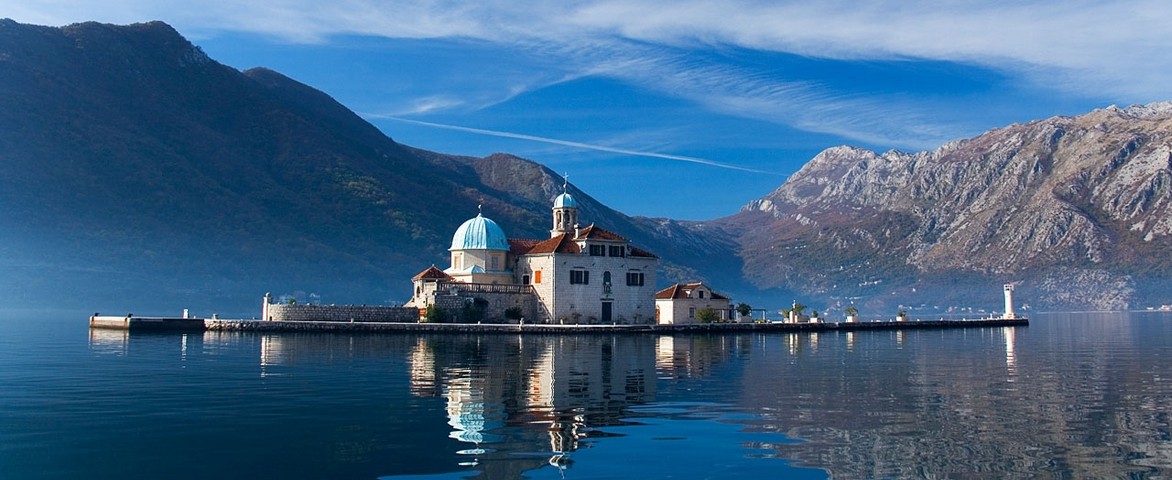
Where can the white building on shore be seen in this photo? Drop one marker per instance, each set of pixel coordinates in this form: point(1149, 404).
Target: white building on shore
point(679, 304)
point(576, 276)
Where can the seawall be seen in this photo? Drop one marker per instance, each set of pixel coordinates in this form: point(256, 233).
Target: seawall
point(440, 328)
point(340, 313)
point(225, 325)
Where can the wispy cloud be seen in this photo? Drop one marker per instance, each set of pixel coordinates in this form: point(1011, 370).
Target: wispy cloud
point(1116, 50)
point(567, 143)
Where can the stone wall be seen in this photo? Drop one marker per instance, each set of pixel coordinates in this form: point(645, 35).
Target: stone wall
point(341, 313)
point(452, 298)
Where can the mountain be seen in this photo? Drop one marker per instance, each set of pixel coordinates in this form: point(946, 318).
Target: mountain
point(135, 170)
point(1075, 210)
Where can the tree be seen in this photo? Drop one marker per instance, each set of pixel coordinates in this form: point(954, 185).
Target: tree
point(851, 311)
point(744, 309)
point(706, 315)
point(435, 314)
point(474, 311)
point(798, 308)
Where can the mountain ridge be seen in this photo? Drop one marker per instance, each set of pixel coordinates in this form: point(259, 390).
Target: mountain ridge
point(1083, 196)
point(135, 169)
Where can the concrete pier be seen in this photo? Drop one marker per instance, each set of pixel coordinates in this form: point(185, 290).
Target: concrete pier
point(133, 323)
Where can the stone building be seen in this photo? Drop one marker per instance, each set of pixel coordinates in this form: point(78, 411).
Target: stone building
point(678, 304)
point(577, 275)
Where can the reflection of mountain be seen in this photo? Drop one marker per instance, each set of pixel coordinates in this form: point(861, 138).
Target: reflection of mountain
point(883, 405)
point(510, 399)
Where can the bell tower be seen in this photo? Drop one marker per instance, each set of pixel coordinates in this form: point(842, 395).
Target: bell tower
point(565, 211)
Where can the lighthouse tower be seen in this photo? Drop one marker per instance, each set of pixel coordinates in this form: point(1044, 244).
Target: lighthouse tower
point(1009, 301)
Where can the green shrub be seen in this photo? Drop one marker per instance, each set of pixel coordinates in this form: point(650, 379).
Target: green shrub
point(706, 315)
point(474, 311)
point(435, 314)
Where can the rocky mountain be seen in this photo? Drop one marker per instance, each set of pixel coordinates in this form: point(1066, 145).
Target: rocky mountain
point(135, 170)
point(1076, 210)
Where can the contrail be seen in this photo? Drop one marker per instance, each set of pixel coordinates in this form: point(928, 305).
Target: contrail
point(567, 143)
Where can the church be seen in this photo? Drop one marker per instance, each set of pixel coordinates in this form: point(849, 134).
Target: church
point(576, 276)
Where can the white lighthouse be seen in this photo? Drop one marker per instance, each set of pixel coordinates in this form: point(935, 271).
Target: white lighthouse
point(1009, 301)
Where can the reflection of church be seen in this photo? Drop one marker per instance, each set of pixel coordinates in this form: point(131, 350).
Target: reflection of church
point(544, 394)
point(577, 275)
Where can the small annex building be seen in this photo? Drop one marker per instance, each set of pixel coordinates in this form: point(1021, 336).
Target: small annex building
point(678, 304)
point(576, 276)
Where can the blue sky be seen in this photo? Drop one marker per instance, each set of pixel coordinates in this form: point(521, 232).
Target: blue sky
point(685, 109)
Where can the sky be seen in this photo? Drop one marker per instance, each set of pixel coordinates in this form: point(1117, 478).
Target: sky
point(684, 109)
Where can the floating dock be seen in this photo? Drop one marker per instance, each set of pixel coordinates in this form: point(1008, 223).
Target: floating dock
point(224, 325)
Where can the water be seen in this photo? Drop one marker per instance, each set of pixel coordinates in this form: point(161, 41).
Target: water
point(1070, 396)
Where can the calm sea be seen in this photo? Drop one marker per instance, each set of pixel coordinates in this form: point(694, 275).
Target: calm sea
point(1070, 396)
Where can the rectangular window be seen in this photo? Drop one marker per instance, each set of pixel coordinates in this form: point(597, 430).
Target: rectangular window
point(537, 277)
point(579, 277)
point(618, 251)
point(635, 279)
point(524, 279)
point(597, 250)
point(692, 312)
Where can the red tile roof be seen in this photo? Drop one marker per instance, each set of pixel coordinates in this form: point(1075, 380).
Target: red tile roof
point(432, 273)
point(561, 243)
point(565, 243)
point(639, 252)
point(521, 246)
point(679, 290)
point(670, 293)
point(597, 233)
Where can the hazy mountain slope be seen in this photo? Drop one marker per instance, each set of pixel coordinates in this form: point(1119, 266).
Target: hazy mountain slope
point(1075, 208)
point(135, 170)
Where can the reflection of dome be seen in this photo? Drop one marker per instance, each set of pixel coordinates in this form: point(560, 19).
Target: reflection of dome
point(564, 201)
point(469, 415)
point(480, 233)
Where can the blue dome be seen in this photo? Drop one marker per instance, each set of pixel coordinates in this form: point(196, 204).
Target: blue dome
point(564, 201)
point(480, 234)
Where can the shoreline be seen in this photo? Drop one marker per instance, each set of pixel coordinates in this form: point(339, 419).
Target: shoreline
point(266, 326)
